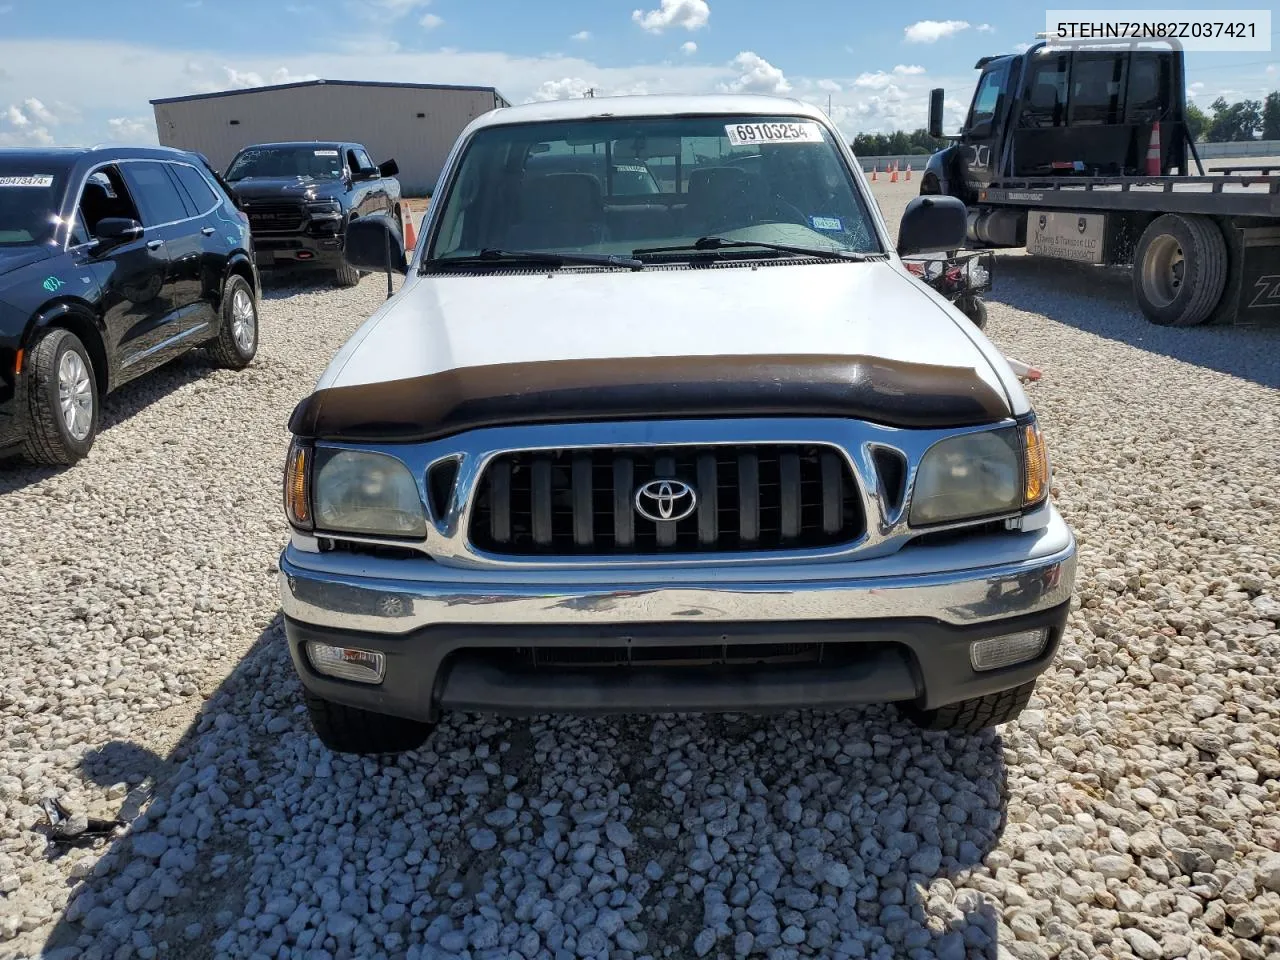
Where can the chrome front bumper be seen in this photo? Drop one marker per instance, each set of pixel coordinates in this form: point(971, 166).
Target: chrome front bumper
point(972, 581)
point(453, 638)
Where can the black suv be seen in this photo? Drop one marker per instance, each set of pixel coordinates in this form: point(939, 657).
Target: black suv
point(301, 196)
point(112, 262)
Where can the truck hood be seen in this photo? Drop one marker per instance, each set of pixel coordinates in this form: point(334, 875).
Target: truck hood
point(275, 188)
point(450, 353)
point(14, 258)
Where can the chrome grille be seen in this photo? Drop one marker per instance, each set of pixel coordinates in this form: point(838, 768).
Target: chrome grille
point(749, 498)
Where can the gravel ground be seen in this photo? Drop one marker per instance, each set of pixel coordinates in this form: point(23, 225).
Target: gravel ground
point(1131, 812)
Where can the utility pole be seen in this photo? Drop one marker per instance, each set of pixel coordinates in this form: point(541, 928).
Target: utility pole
point(828, 104)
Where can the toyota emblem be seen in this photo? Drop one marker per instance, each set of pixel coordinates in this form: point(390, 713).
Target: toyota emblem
point(666, 500)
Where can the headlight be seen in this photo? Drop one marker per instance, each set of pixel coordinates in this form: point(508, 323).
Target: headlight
point(972, 475)
point(370, 493)
point(324, 206)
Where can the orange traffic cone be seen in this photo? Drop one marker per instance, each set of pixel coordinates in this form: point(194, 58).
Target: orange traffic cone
point(908, 169)
point(874, 168)
point(894, 177)
point(406, 224)
point(1153, 151)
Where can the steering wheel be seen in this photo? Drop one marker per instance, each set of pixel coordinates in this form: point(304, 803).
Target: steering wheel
point(785, 207)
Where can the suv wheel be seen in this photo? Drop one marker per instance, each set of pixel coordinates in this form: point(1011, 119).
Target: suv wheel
point(348, 276)
point(970, 716)
point(237, 341)
point(346, 729)
point(62, 400)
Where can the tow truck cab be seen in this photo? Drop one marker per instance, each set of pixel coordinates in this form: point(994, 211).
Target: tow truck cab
point(1080, 152)
point(1059, 112)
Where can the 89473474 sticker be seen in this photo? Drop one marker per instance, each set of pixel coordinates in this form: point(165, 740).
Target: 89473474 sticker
point(790, 131)
point(326, 153)
point(36, 180)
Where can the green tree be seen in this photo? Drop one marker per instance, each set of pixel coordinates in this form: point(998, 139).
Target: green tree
point(1234, 121)
point(1271, 116)
point(1196, 121)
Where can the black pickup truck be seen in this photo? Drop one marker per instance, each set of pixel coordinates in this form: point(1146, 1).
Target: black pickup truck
point(300, 197)
point(1070, 151)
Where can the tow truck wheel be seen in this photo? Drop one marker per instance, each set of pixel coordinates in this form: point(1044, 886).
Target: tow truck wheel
point(1179, 270)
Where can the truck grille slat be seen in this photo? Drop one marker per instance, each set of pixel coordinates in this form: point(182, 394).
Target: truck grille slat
point(748, 498)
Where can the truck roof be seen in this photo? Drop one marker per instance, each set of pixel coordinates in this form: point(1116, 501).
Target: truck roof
point(675, 105)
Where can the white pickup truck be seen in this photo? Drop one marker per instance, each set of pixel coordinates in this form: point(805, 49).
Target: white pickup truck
point(709, 447)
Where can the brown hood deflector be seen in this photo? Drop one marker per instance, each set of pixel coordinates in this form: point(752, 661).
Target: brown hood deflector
point(652, 388)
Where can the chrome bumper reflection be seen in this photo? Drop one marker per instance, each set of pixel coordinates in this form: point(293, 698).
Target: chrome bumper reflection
point(1020, 574)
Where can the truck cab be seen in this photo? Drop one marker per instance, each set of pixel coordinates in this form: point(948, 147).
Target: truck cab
point(1056, 111)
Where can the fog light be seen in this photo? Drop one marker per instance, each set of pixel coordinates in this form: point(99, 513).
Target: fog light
point(1007, 650)
point(347, 663)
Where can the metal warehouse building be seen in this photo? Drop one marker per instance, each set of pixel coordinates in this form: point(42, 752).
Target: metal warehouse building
point(416, 123)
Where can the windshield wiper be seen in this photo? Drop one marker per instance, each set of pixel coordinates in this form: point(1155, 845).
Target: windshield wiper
point(548, 258)
point(706, 244)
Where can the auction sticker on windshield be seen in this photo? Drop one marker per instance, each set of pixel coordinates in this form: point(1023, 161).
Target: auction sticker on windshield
point(750, 134)
point(326, 153)
point(42, 180)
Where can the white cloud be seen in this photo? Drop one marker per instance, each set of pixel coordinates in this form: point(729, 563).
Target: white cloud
point(904, 70)
point(873, 81)
point(931, 31)
point(1194, 89)
point(581, 36)
point(284, 75)
point(985, 28)
point(757, 75)
point(396, 8)
point(136, 129)
point(829, 85)
point(690, 14)
point(38, 112)
point(16, 117)
point(688, 48)
point(371, 46)
point(570, 88)
point(1272, 69)
point(242, 79)
point(1021, 47)
point(430, 21)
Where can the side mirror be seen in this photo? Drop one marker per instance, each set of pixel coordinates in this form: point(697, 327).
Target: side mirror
point(388, 168)
point(374, 243)
point(111, 231)
point(935, 113)
point(931, 224)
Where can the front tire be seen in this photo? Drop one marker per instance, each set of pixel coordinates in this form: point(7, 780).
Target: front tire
point(1179, 270)
point(971, 716)
point(346, 729)
point(347, 275)
point(62, 400)
point(237, 341)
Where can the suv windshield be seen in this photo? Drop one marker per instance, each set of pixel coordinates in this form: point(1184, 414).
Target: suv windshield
point(312, 161)
point(30, 196)
point(614, 186)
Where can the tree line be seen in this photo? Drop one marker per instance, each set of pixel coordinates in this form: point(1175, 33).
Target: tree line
point(1224, 122)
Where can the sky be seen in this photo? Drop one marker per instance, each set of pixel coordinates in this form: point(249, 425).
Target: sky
point(84, 72)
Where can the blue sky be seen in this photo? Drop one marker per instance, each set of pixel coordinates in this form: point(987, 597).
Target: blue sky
point(79, 71)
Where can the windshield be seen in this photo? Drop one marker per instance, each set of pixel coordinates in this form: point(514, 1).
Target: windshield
point(318, 162)
point(30, 195)
point(614, 186)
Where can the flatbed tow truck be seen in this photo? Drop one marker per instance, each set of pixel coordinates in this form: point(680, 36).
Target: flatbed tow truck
point(1081, 152)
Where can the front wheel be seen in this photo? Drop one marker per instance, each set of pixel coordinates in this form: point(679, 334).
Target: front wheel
point(62, 401)
point(346, 275)
point(970, 716)
point(237, 341)
point(1179, 270)
point(346, 729)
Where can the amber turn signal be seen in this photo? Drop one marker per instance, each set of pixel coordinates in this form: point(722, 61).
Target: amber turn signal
point(297, 499)
point(1035, 459)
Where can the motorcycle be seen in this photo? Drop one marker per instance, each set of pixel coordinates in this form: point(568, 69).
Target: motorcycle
point(961, 279)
